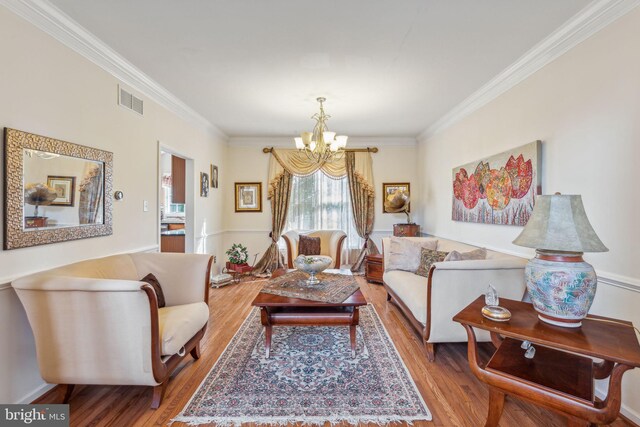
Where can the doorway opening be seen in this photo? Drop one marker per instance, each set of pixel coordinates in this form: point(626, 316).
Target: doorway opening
point(176, 201)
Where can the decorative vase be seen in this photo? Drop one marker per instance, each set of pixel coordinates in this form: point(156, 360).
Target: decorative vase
point(561, 286)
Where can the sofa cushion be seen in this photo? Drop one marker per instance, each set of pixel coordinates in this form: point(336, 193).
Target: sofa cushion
point(404, 254)
point(309, 245)
point(179, 323)
point(427, 258)
point(465, 256)
point(155, 284)
point(411, 289)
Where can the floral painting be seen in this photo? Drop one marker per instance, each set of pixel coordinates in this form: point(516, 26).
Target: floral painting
point(500, 189)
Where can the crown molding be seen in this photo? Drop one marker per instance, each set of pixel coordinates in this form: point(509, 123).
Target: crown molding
point(354, 141)
point(51, 20)
point(583, 25)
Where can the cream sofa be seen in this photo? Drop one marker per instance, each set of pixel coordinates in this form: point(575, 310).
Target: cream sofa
point(94, 322)
point(429, 303)
point(331, 244)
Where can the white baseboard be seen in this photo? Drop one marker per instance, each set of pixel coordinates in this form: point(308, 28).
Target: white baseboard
point(629, 413)
point(36, 393)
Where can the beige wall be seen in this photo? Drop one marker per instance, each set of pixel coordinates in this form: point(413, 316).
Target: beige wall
point(585, 107)
point(48, 89)
point(395, 162)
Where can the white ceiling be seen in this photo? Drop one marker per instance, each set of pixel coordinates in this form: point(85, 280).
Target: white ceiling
point(255, 67)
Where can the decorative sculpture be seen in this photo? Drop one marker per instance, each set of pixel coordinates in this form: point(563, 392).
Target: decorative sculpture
point(398, 202)
point(39, 195)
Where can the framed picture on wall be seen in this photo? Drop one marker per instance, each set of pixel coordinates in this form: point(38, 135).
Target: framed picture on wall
point(389, 189)
point(204, 184)
point(499, 189)
point(65, 187)
point(248, 196)
point(214, 176)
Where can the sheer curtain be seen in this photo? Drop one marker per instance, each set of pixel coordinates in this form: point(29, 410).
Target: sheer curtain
point(319, 202)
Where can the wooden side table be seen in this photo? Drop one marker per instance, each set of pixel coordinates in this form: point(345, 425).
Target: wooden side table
point(561, 374)
point(374, 268)
point(406, 230)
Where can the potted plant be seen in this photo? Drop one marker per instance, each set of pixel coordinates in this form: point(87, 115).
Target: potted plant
point(238, 255)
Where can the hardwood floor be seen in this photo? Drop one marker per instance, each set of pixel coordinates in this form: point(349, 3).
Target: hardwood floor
point(450, 390)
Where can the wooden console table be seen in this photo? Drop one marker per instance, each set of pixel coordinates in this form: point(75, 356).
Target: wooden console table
point(561, 374)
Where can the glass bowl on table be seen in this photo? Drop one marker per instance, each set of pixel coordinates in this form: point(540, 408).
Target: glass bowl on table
point(312, 265)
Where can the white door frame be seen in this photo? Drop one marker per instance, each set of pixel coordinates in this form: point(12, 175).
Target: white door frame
point(189, 211)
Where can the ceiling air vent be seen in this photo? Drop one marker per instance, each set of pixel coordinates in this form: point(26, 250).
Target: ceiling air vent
point(131, 102)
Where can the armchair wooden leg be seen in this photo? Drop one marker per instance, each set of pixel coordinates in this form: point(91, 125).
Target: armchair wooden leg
point(195, 351)
point(67, 389)
point(431, 351)
point(158, 394)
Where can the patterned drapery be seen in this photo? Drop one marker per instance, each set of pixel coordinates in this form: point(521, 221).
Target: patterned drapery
point(279, 194)
point(362, 202)
point(91, 195)
point(285, 163)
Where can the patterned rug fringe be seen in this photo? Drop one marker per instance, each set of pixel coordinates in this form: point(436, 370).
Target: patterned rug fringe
point(306, 421)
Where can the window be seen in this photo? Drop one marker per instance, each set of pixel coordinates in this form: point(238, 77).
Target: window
point(319, 202)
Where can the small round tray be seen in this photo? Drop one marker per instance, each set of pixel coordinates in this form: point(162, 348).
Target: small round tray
point(496, 313)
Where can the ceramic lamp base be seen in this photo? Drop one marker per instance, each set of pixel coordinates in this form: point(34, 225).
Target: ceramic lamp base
point(561, 286)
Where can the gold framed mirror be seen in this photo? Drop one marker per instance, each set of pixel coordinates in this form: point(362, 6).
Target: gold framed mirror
point(54, 190)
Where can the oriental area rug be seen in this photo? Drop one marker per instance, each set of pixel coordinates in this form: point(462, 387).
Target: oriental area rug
point(310, 378)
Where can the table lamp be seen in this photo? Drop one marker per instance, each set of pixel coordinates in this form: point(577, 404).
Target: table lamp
point(560, 283)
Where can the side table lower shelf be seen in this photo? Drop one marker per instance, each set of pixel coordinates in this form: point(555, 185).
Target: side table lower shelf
point(550, 369)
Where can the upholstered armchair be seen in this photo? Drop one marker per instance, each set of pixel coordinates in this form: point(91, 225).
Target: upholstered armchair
point(331, 244)
point(94, 322)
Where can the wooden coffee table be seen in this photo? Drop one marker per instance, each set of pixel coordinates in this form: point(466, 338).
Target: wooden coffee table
point(277, 310)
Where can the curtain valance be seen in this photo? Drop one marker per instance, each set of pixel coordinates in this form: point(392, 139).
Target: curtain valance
point(297, 164)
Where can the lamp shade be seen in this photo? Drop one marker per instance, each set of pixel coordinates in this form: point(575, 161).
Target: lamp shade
point(559, 223)
point(328, 137)
point(306, 137)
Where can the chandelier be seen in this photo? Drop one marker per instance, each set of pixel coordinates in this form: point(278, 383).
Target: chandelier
point(321, 145)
